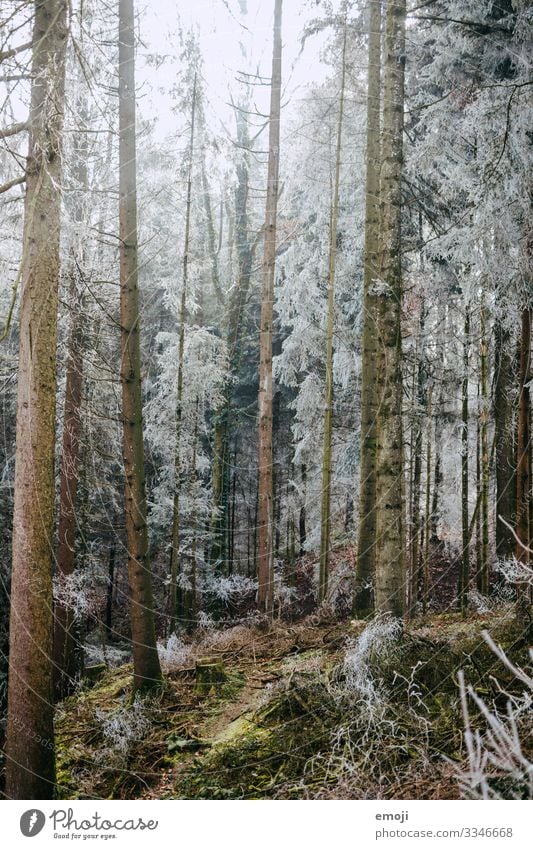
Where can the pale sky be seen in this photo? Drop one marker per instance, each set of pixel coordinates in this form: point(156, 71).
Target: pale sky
point(218, 22)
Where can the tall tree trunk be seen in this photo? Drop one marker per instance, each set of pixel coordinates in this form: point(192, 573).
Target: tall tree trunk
point(464, 570)
point(416, 463)
point(325, 513)
point(523, 460)
point(426, 571)
point(390, 570)
point(485, 466)
point(224, 418)
point(68, 658)
point(110, 591)
point(146, 668)
point(366, 541)
point(30, 762)
point(302, 531)
point(504, 440)
point(265, 492)
point(175, 538)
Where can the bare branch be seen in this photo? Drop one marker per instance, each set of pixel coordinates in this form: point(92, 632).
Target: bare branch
point(10, 183)
point(20, 127)
point(7, 54)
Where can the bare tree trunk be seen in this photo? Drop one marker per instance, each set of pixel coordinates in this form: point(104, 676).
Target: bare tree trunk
point(302, 531)
point(426, 571)
point(265, 492)
point(146, 668)
point(464, 571)
point(485, 466)
point(110, 591)
point(523, 461)
point(504, 440)
point(325, 520)
point(175, 539)
point(237, 300)
point(30, 762)
point(68, 655)
point(390, 555)
point(365, 569)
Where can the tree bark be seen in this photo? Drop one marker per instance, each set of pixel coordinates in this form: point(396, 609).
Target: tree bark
point(325, 513)
point(366, 541)
point(464, 571)
point(523, 459)
point(175, 538)
point(30, 762)
point(68, 655)
point(146, 668)
point(389, 548)
point(505, 444)
point(265, 491)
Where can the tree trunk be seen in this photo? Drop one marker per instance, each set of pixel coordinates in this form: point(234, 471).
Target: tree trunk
point(68, 655)
point(223, 419)
point(523, 460)
point(365, 569)
point(110, 591)
point(485, 467)
point(504, 435)
point(146, 668)
point(175, 538)
point(325, 513)
point(265, 492)
point(464, 571)
point(30, 762)
point(390, 572)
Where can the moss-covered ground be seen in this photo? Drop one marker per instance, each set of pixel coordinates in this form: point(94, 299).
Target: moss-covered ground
point(287, 722)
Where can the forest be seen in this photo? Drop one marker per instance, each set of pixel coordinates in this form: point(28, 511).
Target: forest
point(266, 487)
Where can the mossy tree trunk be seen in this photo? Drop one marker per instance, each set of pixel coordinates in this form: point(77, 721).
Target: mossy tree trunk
point(146, 668)
point(68, 656)
point(366, 541)
point(389, 542)
point(265, 519)
point(30, 762)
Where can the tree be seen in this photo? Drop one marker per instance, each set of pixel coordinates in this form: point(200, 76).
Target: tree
point(175, 539)
point(325, 520)
point(146, 667)
point(390, 577)
point(30, 768)
point(68, 658)
point(265, 518)
point(366, 542)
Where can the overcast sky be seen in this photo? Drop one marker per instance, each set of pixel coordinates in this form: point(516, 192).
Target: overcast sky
point(221, 33)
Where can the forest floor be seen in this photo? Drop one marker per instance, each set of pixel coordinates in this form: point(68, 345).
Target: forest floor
point(306, 710)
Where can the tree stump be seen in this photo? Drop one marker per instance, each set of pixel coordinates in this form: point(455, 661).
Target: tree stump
point(210, 674)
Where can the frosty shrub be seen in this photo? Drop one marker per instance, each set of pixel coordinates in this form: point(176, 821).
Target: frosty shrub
point(111, 656)
point(174, 654)
point(78, 592)
point(376, 641)
point(284, 595)
point(479, 602)
point(121, 729)
point(499, 755)
point(231, 587)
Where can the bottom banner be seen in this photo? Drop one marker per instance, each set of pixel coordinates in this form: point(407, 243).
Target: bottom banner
point(273, 824)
